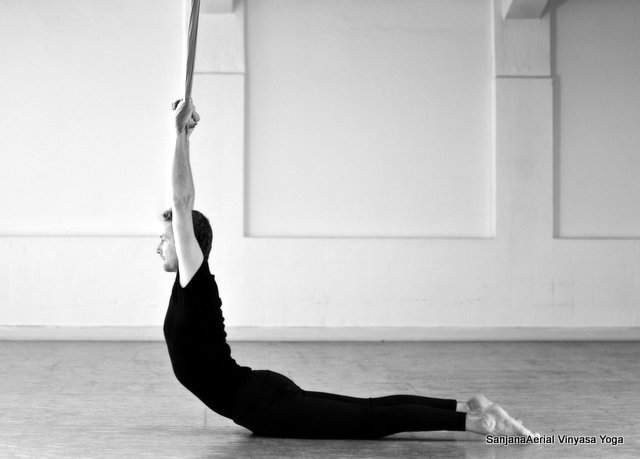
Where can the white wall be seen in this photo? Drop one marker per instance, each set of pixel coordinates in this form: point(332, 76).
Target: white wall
point(360, 123)
point(86, 86)
point(84, 145)
point(598, 66)
point(527, 275)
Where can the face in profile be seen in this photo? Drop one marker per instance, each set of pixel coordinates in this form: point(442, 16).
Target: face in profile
point(167, 249)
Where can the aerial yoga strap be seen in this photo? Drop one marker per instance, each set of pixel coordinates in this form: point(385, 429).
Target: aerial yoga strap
point(191, 50)
point(185, 107)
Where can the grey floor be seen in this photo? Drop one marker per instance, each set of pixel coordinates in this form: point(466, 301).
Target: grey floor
point(120, 399)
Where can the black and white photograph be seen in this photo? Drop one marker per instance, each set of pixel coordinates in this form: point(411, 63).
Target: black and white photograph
point(320, 229)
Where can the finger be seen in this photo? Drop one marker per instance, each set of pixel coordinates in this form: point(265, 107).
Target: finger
point(184, 112)
point(195, 115)
point(184, 105)
point(175, 104)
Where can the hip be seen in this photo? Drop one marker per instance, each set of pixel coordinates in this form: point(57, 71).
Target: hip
point(257, 391)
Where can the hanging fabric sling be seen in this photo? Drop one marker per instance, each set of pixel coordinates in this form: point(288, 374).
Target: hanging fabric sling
point(191, 46)
point(185, 109)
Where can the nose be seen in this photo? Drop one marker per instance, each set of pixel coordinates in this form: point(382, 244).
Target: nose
point(159, 249)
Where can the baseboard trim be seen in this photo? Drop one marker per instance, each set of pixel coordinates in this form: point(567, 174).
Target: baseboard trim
point(154, 333)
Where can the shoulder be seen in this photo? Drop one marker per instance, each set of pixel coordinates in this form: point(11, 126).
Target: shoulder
point(190, 256)
point(201, 292)
point(200, 279)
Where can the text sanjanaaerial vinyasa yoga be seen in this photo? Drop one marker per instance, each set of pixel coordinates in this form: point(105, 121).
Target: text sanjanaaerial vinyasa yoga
point(562, 439)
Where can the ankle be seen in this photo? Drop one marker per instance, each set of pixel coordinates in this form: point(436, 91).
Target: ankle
point(472, 423)
point(462, 407)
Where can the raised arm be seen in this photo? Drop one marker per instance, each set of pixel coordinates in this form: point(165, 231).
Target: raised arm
point(189, 254)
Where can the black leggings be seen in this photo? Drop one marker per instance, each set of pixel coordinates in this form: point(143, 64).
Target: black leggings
point(270, 404)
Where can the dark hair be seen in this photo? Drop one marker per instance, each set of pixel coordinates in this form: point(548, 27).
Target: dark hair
point(201, 227)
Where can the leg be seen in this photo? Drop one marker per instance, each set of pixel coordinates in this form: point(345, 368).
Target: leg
point(476, 404)
point(273, 405)
point(389, 400)
point(305, 415)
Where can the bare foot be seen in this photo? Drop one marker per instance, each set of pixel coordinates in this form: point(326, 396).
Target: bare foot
point(478, 403)
point(494, 420)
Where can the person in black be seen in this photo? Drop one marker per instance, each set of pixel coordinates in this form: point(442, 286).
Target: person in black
point(265, 402)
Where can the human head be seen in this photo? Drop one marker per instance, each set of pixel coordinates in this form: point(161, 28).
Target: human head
point(166, 248)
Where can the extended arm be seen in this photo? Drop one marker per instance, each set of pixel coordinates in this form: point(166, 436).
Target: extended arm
point(189, 254)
